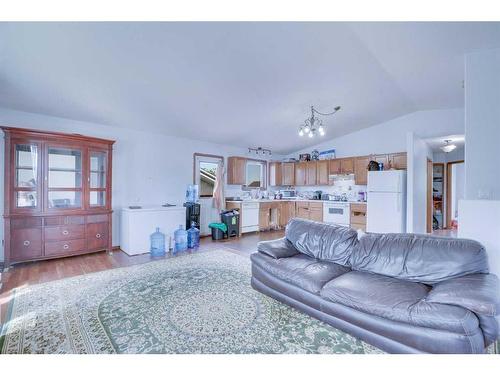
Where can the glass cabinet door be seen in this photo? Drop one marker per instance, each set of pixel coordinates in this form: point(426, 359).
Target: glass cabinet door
point(64, 180)
point(26, 176)
point(97, 178)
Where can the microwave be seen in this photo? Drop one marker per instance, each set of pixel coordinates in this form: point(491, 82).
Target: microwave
point(288, 194)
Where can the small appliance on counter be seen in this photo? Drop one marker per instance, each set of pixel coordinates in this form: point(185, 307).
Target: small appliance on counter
point(317, 195)
point(288, 194)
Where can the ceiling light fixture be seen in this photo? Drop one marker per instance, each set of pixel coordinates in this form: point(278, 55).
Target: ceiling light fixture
point(313, 125)
point(448, 146)
point(259, 151)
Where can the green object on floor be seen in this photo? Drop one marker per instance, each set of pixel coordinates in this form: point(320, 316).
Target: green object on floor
point(193, 303)
point(221, 226)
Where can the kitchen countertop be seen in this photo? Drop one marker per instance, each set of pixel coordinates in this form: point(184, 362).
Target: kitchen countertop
point(287, 200)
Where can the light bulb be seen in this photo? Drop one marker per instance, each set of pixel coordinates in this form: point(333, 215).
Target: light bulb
point(301, 132)
point(307, 129)
point(321, 130)
point(311, 134)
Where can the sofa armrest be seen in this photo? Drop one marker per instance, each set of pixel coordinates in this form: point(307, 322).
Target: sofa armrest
point(477, 292)
point(281, 248)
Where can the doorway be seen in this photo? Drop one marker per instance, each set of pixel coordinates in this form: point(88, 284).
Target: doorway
point(430, 204)
point(455, 186)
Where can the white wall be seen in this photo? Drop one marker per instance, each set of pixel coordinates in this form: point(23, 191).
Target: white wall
point(391, 136)
point(416, 200)
point(482, 124)
point(148, 168)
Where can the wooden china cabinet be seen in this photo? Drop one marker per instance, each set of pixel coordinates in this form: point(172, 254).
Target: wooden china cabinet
point(57, 195)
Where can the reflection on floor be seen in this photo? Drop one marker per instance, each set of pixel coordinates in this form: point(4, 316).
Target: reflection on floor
point(445, 232)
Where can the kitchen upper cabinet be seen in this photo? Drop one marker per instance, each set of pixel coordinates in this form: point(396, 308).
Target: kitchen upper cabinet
point(236, 170)
point(288, 174)
point(398, 161)
point(342, 166)
point(311, 173)
point(347, 165)
point(322, 172)
point(275, 174)
point(300, 173)
point(361, 170)
point(335, 167)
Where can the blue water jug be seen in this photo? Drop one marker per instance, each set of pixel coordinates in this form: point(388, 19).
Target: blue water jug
point(157, 243)
point(193, 236)
point(181, 239)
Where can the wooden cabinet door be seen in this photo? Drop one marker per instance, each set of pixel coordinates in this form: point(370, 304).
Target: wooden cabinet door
point(347, 165)
point(311, 173)
point(26, 243)
point(291, 210)
point(316, 211)
point(264, 219)
point(322, 172)
point(288, 174)
point(302, 210)
point(335, 166)
point(275, 174)
point(300, 173)
point(361, 170)
point(236, 170)
point(398, 161)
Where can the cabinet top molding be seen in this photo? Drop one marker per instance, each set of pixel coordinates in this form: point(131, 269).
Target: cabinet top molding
point(48, 135)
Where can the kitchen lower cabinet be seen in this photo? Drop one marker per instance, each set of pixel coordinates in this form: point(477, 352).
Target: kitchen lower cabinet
point(287, 212)
point(264, 216)
point(316, 211)
point(358, 216)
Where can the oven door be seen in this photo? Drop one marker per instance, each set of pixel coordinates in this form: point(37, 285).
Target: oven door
point(336, 213)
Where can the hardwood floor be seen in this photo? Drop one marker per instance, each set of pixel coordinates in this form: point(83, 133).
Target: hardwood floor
point(25, 274)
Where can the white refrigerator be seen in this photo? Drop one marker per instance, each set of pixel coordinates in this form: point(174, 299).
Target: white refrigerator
point(386, 202)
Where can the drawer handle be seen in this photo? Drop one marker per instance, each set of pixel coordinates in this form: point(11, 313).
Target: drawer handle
point(26, 243)
point(98, 235)
point(65, 232)
point(66, 246)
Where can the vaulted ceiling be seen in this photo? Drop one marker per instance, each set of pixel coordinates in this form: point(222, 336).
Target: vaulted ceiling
point(247, 84)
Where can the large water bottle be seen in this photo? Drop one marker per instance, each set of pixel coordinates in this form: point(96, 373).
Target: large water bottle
point(157, 248)
point(193, 236)
point(181, 239)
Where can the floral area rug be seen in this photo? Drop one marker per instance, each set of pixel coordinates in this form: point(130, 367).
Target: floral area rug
point(197, 303)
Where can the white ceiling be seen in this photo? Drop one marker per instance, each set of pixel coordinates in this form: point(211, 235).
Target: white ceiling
point(247, 84)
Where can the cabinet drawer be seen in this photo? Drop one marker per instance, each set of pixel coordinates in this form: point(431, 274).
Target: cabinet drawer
point(65, 232)
point(26, 243)
point(316, 206)
point(358, 207)
point(64, 247)
point(97, 219)
point(26, 222)
point(97, 236)
point(53, 221)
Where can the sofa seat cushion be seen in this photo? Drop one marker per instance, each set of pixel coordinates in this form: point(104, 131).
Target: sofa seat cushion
point(302, 271)
point(397, 300)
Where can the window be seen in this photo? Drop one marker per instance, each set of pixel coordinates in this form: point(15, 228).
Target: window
point(205, 173)
point(254, 174)
point(206, 183)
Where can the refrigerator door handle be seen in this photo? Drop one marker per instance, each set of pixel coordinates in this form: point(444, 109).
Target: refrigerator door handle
point(399, 204)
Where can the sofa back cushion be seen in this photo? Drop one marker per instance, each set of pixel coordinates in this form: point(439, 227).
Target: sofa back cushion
point(323, 241)
point(419, 258)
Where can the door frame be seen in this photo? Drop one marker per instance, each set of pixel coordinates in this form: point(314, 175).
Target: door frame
point(448, 190)
point(430, 203)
